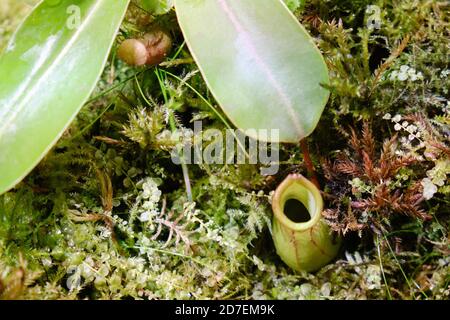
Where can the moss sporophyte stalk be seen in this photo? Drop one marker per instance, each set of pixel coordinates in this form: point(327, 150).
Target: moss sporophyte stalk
point(213, 146)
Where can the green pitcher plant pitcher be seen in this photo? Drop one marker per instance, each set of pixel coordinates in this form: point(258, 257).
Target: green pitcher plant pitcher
point(302, 238)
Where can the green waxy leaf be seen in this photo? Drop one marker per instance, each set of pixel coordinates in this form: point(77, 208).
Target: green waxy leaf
point(156, 7)
point(259, 62)
point(47, 72)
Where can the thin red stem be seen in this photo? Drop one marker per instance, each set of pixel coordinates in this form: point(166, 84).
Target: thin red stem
point(309, 164)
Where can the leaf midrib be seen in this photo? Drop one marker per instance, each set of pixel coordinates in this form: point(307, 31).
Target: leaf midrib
point(286, 102)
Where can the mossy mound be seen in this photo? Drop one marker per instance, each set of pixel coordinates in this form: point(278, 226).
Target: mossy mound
point(106, 214)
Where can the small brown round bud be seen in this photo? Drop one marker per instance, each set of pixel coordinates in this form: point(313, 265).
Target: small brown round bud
point(158, 45)
point(133, 52)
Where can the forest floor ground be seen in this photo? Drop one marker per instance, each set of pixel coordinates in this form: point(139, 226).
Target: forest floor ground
point(106, 215)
